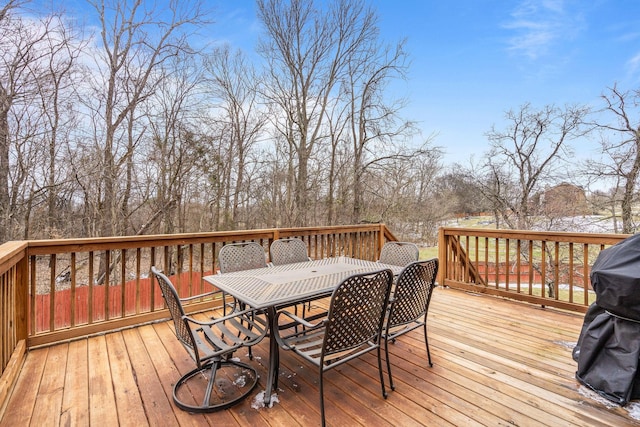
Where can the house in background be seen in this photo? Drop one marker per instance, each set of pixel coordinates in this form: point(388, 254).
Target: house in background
point(564, 199)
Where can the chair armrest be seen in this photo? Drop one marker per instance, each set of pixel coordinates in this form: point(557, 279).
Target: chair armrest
point(217, 320)
point(300, 320)
point(194, 297)
point(283, 340)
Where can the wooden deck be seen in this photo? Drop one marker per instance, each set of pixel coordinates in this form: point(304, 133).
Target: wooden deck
point(496, 362)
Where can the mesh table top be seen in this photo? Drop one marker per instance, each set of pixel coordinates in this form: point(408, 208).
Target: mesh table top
point(289, 283)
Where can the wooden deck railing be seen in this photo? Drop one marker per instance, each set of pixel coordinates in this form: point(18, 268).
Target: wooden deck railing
point(547, 268)
point(55, 290)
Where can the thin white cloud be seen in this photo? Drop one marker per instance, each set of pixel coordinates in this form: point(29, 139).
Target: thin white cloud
point(633, 66)
point(630, 36)
point(539, 25)
point(554, 5)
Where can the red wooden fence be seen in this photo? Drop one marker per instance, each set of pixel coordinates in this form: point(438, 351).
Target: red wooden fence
point(134, 290)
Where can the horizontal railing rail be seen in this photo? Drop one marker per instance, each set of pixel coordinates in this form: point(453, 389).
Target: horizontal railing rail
point(547, 268)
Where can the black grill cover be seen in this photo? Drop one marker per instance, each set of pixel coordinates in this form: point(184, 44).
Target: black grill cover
point(608, 349)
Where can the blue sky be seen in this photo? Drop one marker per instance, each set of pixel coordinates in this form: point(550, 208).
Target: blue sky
point(472, 60)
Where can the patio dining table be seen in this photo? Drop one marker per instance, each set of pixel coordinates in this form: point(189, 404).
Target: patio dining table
point(276, 287)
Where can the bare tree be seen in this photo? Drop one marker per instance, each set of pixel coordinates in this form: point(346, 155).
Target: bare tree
point(233, 83)
point(6, 9)
point(374, 121)
point(457, 194)
point(531, 152)
point(17, 45)
point(174, 144)
point(402, 191)
point(37, 58)
point(620, 143)
point(307, 50)
point(57, 95)
point(136, 41)
point(337, 125)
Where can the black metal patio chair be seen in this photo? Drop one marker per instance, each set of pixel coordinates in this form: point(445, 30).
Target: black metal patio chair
point(238, 257)
point(352, 327)
point(288, 251)
point(399, 253)
point(409, 304)
point(219, 380)
point(241, 256)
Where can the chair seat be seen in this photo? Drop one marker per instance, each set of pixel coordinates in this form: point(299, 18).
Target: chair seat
point(398, 330)
point(308, 344)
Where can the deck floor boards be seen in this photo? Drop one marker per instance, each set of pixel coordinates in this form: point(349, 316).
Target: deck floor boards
point(496, 363)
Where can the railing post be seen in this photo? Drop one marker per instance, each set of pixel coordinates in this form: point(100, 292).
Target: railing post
point(381, 240)
point(14, 289)
point(22, 299)
point(442, 257)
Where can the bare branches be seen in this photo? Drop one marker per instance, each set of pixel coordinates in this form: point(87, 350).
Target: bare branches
point(620, 143)
point(137, 41)
point(38, 59)
point(233, 83)
point(529, 153)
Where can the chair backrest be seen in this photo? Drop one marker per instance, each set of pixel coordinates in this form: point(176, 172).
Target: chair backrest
point(399, 253)
point(412, 293)
point(288, 251)
point(172, 299)
point(357, 312)
point(241, 256)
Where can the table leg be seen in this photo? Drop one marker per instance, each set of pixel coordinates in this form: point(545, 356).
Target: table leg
point(274, 357)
